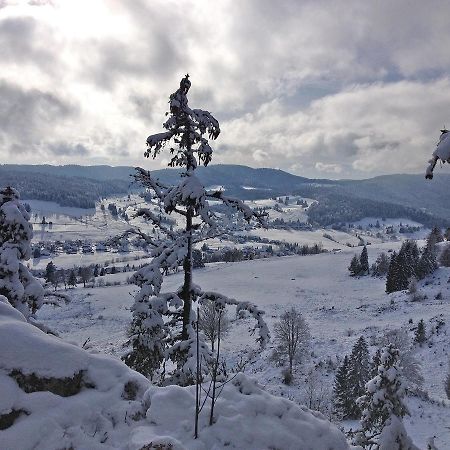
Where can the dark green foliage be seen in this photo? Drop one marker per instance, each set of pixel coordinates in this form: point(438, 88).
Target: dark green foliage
point(445, 256)
point(403, 267)
point(392, 275)
point(420, 335)
point(355, 266)
point(381, 266)
point(434, 238)
point(343, 403)
point(384, 399)
point(50, 272)
point(64, 190)
point(427, 263)
point(358, 375)
point(72, 281)
point(376, 361)
point(197, 260)
point(364, 261)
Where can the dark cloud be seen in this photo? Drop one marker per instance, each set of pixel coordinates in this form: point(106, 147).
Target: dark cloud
point(310, 86)
point(67, 149)
point(28, 116)
point(23, 40)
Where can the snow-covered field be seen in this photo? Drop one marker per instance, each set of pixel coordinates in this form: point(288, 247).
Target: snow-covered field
point(337, 307)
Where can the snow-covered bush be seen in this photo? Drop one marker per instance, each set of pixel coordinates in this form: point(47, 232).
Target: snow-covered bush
point(164, 324)
point(17, 284)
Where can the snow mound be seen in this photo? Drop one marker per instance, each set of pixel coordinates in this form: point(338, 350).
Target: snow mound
point(55, 395)
point(246, 417)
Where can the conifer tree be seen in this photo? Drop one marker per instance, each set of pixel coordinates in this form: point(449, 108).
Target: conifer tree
point(383, 407)
point(17, 284)
point(376, 361)
point(50, 271)
point(427, 263)
point(434, 238)
point(420, 335)
point(343, 403)
point(355, 266)
point(393, 274)
point(163, 325)
point(364, 261)
point(358, 374)
point(72, 281)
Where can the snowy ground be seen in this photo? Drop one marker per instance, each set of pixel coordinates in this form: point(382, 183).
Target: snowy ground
point(338, 308)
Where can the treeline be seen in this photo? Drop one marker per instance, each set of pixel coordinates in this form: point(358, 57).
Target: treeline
point(66, 191)
point(336, 208)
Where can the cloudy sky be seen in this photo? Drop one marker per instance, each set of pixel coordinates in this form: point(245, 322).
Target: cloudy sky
point(331, 89)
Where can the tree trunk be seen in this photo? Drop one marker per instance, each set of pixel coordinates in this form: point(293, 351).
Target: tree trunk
point(187, 267)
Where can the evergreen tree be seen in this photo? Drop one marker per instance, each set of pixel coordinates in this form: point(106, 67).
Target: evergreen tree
point(355, 266)
point(164, 325)
point(376, 361)
point(381, 266)
point(17, 284)
point(392, 274)
point(420, 335)
point(72, 281)
point(403, 267)
point(197, 260)
point(50, 272)
point(427, 263)
point(343, 403)
point(364, 261)
point(383, 407)
point(434, 238)
point(358, 374)
point(445, 256)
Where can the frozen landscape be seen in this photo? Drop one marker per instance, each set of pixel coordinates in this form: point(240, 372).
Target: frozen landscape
point(224, 225)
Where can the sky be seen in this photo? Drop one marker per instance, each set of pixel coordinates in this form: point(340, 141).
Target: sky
point(328, 89)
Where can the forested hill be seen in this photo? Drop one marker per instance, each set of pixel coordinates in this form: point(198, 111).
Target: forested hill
point(65, 190)
point(409, 196)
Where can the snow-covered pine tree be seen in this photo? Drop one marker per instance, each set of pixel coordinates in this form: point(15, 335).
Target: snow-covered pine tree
point(434, 238)
point(383, 407)
point(163, 324)
point(364, 261)
point(392, 276)
point(427, 263)
point(403, 267)
point(343, 404)
point(17, 284)
point(358, 374)
point(420, 336)
point(50, 271)
point(355, 266)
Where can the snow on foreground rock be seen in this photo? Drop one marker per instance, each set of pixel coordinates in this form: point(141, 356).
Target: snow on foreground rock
point(55, 395)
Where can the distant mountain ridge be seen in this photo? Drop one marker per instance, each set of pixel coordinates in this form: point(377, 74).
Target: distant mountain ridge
point(410, 195)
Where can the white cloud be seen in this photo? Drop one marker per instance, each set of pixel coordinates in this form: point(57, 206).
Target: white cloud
point(329, 168)
point(309, 86)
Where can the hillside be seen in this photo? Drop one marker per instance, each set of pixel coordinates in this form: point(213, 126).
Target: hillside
point(409, 196)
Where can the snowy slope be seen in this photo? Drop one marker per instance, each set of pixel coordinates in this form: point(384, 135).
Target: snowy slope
point(338, 308)
point(56, 395)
